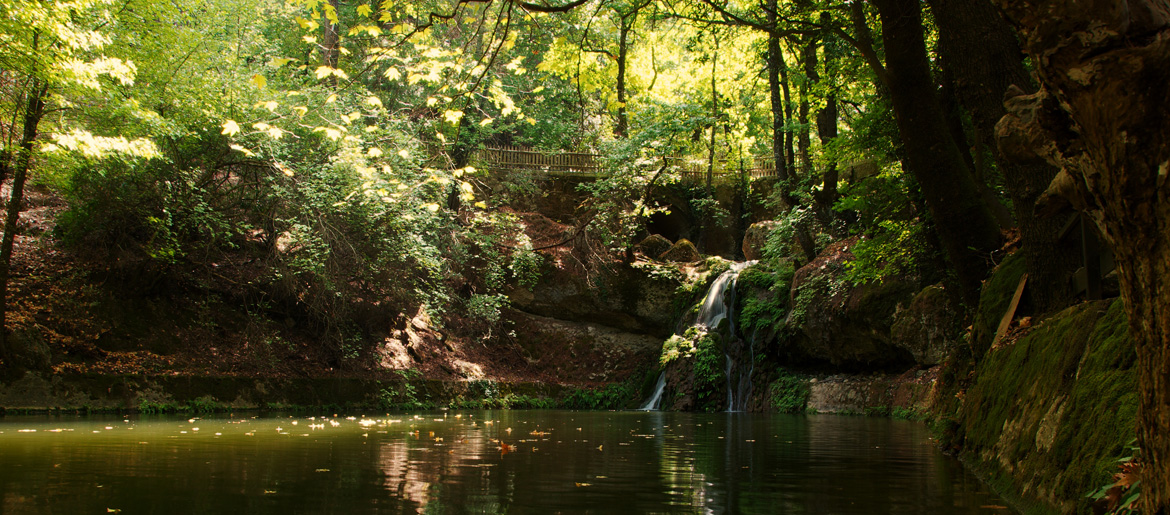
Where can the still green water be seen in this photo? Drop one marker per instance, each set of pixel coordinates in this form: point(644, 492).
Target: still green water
point(481, 462)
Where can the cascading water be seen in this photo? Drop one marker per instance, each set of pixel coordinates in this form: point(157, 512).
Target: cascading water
point(719, 305)
point(656, 399)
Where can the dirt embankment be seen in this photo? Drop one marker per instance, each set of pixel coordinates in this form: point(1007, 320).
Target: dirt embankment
point(75, 319)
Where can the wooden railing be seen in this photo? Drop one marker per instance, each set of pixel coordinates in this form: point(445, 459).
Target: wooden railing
point(584, 164)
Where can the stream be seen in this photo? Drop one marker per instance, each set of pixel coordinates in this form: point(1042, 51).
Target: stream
point(482, 462)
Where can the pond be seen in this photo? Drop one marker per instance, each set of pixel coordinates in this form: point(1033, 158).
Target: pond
point(482, 462)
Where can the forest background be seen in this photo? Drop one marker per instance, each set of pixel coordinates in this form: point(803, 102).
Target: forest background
point(317, 155)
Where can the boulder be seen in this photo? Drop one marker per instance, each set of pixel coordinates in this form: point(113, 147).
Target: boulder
point(683, 251)
point(28, 348)
point(929, 327)
point(846, 326)
point(625, 297)
point(654, 245)
point(756, 238)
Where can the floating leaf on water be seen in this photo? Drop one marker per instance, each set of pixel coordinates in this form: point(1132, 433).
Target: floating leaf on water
point(321, 470)
point(584, 484)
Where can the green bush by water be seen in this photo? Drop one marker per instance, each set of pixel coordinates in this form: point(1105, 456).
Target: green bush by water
point(789, 393)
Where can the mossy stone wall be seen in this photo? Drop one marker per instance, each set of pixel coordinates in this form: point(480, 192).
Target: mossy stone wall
point(1047, 417)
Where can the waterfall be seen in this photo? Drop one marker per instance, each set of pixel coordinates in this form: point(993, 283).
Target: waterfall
point(656, 399)
point(719, 305)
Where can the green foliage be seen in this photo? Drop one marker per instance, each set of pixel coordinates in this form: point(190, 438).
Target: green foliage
point(895, 237)
point(1125, 490)
point(762, 296)
point(404, 394)
point(789, 392)
point(612, 396)
point(825, 284)
point(781, 242)
point(709, 372)
point(676, 347)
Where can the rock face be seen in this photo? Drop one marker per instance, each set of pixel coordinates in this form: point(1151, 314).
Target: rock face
point(756, 237)
point(576, 352)
point(627, 299)
point(929, 328)
point(878, 393)
point(683, 251)
point(845, 326)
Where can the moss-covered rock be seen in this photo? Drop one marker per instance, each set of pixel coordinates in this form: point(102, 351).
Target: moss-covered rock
point(846, 326)
point(1048, 415)
point(994, 300)
point(683, 251)
point(654, 245)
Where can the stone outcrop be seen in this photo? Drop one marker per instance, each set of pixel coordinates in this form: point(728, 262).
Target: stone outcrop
point(756, 238)
point(628, 299)
point(845, 326)
point(683, 251)
point(654, 245)
point(929, 328)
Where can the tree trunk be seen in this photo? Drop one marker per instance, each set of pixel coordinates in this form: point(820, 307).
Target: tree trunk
point(809, 59)
point(775, 63)
point(714, 119)
point(827, 132)
point(34, 110)
point(330, 49)
point(953, 113)
point(982, 52)
point(621, 130)
point(1104, 67)
point(790, 160)
point(966, 229)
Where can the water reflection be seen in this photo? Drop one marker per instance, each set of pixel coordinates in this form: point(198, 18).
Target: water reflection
point(482, 462)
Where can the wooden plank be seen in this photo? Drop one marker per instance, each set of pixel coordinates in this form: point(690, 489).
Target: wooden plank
point(1011, 311)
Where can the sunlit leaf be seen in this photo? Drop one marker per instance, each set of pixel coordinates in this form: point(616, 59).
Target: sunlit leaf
point(453, 116)
point(243, 150)
point(230, 127)
point(259, 81)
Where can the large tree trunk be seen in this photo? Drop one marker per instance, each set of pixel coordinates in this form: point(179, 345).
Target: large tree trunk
point(982, 52)
point(33, 112)
point(1105, 66)
point(966, 228)
point(775, 63)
